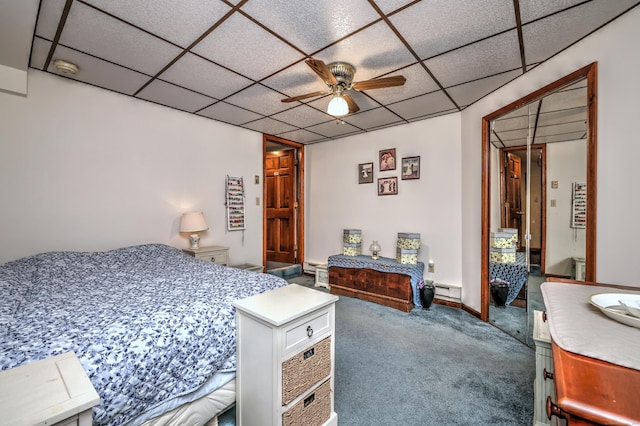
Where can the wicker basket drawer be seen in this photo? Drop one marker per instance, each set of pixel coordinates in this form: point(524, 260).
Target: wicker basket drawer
point(302, 371)
point(313, 410)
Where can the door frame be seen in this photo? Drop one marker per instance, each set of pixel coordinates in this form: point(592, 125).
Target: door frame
point(299, 196)
point(590, 72)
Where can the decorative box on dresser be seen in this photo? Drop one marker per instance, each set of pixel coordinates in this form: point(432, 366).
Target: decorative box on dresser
point(53, 391)
point(285, 358)
point(213, 254)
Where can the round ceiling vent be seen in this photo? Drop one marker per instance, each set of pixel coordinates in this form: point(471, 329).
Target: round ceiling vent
point(65, 67)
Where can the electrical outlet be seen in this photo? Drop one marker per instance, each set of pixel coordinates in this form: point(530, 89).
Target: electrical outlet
point(553, 203)
point(256, 179)
point(554, 184)
point(432, 266)
point(257, 201)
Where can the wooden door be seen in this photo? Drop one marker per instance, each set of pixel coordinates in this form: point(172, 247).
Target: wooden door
point(280, 204)
point(512, 202)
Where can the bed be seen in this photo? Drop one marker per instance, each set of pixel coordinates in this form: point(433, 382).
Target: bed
point(153, 327)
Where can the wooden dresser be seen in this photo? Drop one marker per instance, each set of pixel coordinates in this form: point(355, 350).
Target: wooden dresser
point(592, 383)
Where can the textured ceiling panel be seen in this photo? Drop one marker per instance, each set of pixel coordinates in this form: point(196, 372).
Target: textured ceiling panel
point(436, 26)
point(101, 73)
point(100, 35)
point(227, 113)
point(252, 56)
point(178, 24)
point(488, 57)
point(312, 24)
point(541, 38)
point(174, 96)
point(203, 76)
point(246, 48)
point(422, 105)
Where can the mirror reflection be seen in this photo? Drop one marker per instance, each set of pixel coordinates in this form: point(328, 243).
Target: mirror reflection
point(538, 164)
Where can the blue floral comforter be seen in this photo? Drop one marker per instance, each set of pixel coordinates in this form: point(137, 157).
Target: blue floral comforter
point(148, 323)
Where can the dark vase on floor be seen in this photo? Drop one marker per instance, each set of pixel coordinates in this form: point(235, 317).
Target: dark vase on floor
point(500, 291)
point(426, 296)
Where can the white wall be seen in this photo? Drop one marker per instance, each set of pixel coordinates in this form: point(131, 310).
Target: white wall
point(565, 164)
point(618, 94)
point(83, 168)
point(429, 205)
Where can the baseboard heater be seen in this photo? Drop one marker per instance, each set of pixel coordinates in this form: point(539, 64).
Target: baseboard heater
point(450, 292)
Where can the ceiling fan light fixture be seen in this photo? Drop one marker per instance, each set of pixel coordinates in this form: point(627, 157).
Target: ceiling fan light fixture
point(338, 106)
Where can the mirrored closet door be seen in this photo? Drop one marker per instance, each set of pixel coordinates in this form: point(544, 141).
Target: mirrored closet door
point(536, 222)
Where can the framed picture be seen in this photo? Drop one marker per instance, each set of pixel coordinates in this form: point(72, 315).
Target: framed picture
point(388, 159)
point(365, 173)
point(388, 185)
point(410, 168)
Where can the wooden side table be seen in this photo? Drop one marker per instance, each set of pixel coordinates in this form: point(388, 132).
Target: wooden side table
point(55, 390)
point(213, 254)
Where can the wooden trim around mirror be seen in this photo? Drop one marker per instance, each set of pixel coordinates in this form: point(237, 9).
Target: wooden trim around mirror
point(590, 72)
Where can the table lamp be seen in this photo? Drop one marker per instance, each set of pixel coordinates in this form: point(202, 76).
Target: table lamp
point(375, 250)
point(193, 222)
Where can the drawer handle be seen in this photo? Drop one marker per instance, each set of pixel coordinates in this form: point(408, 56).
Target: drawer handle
point(547, 374)
point(309, 331)
point(213, 259)
point(544, 316)
point(554, 410)
point(309, 400)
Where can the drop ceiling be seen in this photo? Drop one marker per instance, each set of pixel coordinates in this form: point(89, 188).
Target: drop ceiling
point(234, 61)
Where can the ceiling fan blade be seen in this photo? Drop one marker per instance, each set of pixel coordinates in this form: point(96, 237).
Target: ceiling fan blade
point(353, 107)
point(322, 70)
point(379, 83)
point(300, 97)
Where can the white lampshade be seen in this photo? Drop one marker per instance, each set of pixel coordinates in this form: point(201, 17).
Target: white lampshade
point(338, 106)
point(193, 222)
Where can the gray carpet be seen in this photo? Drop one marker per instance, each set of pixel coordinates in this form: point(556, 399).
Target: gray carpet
point(429, 367)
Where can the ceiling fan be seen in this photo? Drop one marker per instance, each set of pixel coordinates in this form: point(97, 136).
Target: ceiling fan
point(339, 77)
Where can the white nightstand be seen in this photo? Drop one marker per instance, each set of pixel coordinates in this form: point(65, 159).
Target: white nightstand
point(213, 254)
point(286, 348)
point(55, 390)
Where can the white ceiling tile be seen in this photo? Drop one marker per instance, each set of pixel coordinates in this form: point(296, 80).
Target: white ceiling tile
point(39, 53)
point(243, 46)
point(181, 24)
point(488, 57)
point(311, 24)
point(302, 116)
point(422, 105)
point(260, 99)
point(418, 82)
point(301, 136)
point(49, 18)
point(372, 118)
point(373, 51)
point(468, 93)
point(388, 6)
point(435, 26)
point(100, 35)
point(542, 38)
point(223, 111)
point(195, 73)
point(534, 9)
point(432, 115)
point(333, 128)
point(559, 129)
point(100, 73)
point(269, 126)
point(565, 99)
point(174, 96)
